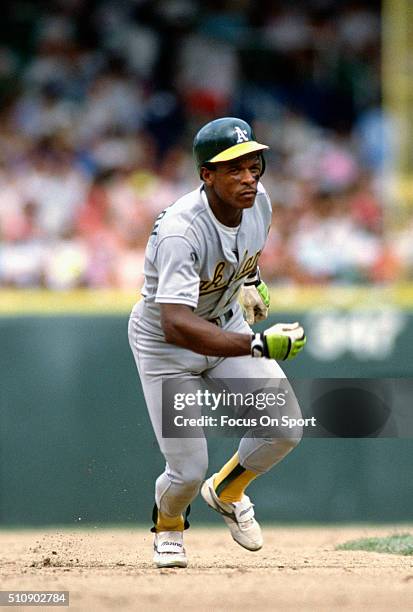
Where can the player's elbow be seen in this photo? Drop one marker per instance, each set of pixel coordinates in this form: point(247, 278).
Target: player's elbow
point(173, 324)
point(171, 332)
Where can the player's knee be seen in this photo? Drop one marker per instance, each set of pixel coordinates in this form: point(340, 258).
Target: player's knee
point(282, 446)
point(194, 474)
point(291, 443)
point(190, 473)
point(287, 442)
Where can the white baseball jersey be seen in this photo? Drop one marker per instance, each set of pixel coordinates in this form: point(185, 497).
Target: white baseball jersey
point(193, 259)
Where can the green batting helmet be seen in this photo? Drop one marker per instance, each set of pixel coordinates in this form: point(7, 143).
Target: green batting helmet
point(225, 139)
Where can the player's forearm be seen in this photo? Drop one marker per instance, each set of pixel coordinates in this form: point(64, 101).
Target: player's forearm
point(200, 336)
point(218, 344)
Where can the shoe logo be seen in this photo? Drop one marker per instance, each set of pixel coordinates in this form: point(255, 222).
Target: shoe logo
point(219, 509)
point(171, 544)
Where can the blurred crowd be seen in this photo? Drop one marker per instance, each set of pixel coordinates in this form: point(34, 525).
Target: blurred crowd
point(99, 104)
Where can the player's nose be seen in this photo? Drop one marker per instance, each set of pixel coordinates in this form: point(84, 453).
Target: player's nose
point(248, 178)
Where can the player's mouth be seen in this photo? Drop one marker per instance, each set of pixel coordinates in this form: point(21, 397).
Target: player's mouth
point(249, 193)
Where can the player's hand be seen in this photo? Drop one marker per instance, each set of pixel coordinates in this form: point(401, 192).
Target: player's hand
point(282, 341)
point(255, 299)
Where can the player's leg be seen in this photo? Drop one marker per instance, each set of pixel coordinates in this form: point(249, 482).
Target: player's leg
point(259, 450)
point(186, 458)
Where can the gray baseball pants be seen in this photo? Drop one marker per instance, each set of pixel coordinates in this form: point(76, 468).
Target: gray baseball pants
point(187, 458)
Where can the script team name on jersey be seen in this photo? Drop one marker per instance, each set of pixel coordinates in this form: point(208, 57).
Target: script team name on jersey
point(218, 281)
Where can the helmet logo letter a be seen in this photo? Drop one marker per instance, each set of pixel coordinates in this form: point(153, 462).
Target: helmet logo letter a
point(242, 134)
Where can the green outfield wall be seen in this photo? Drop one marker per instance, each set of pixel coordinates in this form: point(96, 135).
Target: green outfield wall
point(76, 446)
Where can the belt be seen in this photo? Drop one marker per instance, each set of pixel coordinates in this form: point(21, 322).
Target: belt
point(222, 319)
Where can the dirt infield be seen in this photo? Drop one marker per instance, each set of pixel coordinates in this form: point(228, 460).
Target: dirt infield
point(298, 569)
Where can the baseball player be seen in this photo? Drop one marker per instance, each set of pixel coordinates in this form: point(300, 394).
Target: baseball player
point(201, 255)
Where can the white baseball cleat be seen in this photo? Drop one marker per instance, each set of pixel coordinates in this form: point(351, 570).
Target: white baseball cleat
point(169, 549)
point(239, 516)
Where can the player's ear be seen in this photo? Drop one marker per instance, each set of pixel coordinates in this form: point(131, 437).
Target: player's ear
point(207, 173)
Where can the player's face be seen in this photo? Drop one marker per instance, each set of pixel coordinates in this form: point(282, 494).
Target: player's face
point(235, 182)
